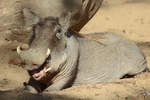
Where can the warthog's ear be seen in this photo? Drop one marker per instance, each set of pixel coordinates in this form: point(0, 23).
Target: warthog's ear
point(29, 17)
point(64, 21)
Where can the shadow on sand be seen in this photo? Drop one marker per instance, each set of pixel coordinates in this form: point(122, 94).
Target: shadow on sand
point(20, 95)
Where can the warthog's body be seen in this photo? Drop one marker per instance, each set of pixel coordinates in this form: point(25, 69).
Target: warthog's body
point(109, 61)
point(96, 62)
point(106, 57)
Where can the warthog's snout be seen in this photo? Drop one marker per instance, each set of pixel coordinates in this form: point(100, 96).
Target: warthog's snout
point(37, 71)
point(25, 47)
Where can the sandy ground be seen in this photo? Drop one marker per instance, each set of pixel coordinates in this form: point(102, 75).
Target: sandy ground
point(130, 18)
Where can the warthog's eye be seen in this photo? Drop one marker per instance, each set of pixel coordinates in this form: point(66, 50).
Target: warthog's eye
point(58, 33)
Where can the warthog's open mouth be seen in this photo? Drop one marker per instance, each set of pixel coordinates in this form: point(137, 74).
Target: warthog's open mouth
point(41, 71)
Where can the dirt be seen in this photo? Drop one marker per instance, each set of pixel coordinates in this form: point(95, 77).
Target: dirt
point(130, 18)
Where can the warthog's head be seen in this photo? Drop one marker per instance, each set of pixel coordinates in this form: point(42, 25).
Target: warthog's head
point(46, 38)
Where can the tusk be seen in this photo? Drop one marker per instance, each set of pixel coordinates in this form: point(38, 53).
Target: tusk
point(18, 50)
point(48, 69)
point(48, 52)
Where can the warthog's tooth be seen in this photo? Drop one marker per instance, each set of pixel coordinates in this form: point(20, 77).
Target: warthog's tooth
point(48, 52)
point(18, 50)
point(48, 69)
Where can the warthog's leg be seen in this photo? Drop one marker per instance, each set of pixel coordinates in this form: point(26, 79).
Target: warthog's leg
point(141, 67)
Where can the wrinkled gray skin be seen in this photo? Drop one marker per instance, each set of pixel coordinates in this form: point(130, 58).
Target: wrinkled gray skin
point(77, 60)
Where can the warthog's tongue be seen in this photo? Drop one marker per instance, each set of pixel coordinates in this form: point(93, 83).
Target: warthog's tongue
point(39, 75)
point(42, 73)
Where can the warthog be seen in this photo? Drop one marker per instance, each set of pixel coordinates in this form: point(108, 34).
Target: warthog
point(58, 58)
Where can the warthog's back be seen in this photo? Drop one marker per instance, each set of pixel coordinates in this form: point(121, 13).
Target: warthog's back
point(108, 59)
